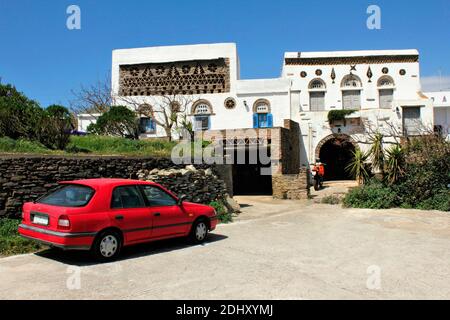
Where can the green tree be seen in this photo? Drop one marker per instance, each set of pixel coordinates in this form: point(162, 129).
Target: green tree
point(54, 126)
point(118, 121)
point(18, 114)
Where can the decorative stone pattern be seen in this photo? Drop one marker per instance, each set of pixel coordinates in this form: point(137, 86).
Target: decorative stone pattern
point(24, 179)
point(291, 186)
point(352, 60)
point(198, 185)
point(184, 77)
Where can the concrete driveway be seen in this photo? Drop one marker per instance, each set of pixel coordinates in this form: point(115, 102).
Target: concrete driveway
point(275, 250)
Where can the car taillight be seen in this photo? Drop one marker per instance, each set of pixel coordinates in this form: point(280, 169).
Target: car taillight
point(64, 222)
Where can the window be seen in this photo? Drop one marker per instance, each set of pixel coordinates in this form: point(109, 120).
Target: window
point(201, 123)
point(68, 196)
point(317, 101)
point(202, 108)
point(351, 99)
point(386, 91)
point(411, 120)
point(351, 92)
point(262, 118)
point(202, 111)
point(147, 125)
point(157, 197)
point(126, 197)
point(317, 95)
point(317, 84)
point(351, 81)
point(386, 98)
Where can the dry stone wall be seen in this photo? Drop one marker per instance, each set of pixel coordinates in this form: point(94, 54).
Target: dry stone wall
point(25, 178)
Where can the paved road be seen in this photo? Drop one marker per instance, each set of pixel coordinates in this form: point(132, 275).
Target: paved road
point(275, 250)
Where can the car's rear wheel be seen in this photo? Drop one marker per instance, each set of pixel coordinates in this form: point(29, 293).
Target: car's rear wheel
point(107, 245)
point(199, 231)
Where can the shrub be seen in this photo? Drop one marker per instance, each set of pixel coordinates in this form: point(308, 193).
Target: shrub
point(439, 201)
point(358, 166)
point(18, 114)
point(373, 195)
point(335, 115)
point(118, 121)
point(331, 199)
point(115, 145)
point(21, 146)
point(53, 128)
point(223, 214)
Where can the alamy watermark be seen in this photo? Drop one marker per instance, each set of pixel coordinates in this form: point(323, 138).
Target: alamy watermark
point(73, 21)
point(374, 19)
point(73, 281)
point(374, 279)
point(227, 147)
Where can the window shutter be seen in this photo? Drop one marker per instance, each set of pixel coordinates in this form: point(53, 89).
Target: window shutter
point(255, 120)
point(269, 120)
point(209, 123)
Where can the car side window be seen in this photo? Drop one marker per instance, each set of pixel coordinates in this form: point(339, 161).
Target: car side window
point(158, 197)
point(125, 197)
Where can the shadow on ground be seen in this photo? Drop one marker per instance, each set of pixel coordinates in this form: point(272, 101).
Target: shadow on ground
point(84, 258)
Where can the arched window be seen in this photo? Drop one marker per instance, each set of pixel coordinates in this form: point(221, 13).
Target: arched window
point(386, 92)
point(317, 90)
point(317, 84)
point(202, 111)
point(147, 124)
point(262, 118)
point(351, 81)
point(385, 81)
point(351, 86)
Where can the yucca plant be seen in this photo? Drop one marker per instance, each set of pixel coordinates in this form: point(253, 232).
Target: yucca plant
point(376, 153)
point(395, 162)
point(358, 167)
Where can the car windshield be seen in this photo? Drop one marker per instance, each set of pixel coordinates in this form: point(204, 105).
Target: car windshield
point(68, 196)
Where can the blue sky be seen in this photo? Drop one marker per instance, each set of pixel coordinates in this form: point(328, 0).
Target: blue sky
point(46, 61)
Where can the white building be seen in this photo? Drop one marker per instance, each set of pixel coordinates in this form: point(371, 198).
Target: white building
point(441, 105)
point(382, 87)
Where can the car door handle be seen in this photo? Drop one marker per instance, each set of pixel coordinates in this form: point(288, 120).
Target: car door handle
point(157, 214)
point(119, 217)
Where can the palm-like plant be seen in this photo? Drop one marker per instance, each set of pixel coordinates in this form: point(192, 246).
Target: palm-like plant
point(395, 163)
point(358, 167)
point(376, 153)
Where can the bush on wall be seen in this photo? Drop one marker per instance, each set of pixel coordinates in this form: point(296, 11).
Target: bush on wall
point(22, 118)
point(118, 121)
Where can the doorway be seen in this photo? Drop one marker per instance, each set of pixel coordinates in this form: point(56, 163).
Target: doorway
point(251, 178)
point(336, 153)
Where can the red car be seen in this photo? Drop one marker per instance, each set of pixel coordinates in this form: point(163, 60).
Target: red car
point(102, 215)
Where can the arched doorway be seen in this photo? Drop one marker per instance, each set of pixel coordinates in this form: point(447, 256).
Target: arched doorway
point(336, 151)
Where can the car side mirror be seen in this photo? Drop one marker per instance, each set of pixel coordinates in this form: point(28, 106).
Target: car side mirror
point(181, 199)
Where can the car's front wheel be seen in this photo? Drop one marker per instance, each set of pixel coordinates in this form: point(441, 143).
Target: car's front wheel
point(199, 231)
point(107, 245)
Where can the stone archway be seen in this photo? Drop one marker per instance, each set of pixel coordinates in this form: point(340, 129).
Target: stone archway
point(336, 151)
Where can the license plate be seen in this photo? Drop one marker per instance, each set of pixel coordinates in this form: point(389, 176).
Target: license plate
point(40, 220)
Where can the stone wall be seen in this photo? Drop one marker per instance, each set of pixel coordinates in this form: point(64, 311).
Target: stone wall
point(291, 186)
point(25, 178)
point(198, 185)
